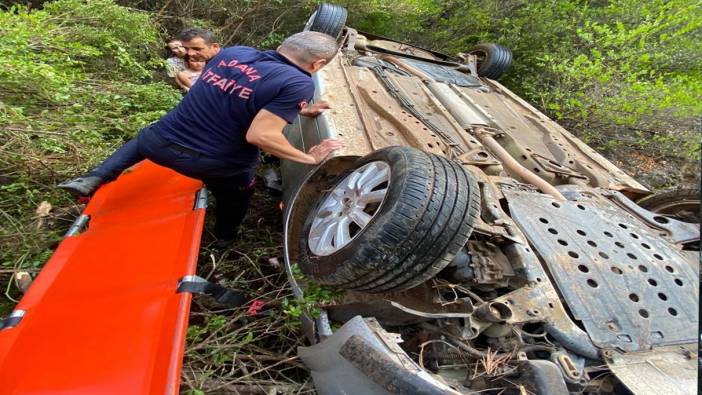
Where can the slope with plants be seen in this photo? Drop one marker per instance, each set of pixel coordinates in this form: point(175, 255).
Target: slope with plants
point(624, 75)
point(76, 80)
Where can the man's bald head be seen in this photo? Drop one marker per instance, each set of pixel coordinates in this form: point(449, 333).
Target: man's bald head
point(310, 50)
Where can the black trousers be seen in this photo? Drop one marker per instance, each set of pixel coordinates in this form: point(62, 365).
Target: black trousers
point(232, 187)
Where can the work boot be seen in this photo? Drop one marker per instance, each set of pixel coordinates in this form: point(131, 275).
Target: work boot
point(224, 241)
point(82, 186)
point(222, 244)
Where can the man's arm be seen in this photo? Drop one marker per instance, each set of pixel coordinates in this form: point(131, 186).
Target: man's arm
point(266, 132)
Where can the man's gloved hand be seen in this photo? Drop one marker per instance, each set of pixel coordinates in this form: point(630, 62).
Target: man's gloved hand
point(315, 109)
point(320, 151)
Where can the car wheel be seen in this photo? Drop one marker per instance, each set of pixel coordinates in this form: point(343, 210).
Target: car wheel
point(682, 204)
point(327, 18)
point(493, 59)
point(392, 222)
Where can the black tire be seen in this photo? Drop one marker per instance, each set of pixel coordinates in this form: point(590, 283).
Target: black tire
point(426, 218)
point(682, 204)
point(327, 18)
point(493, 59)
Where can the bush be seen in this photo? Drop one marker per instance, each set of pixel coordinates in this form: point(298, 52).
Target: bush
point(624, 75)
point(76, 80)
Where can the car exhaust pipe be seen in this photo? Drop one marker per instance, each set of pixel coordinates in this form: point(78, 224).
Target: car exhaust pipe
point(509, 162)
point(474, 121)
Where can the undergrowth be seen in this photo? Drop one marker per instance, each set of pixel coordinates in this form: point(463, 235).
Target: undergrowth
point(236, 350)
point(77, 79)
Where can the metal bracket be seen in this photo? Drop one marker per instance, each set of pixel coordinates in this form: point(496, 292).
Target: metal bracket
point(78, 226)
point(555, 167)
point(679, 232)
point(197, 284)
point(472, 62)
point(200, 199)
point(12, 320)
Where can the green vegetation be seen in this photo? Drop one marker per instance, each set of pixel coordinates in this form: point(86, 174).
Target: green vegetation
point(229, 347)
point(624, 75)
point(76, 80)
point(315, 296)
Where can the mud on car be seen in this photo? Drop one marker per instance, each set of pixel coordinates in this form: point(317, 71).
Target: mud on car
point(478, 244)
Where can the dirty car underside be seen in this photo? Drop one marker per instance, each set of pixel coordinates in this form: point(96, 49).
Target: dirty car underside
point(480, 246)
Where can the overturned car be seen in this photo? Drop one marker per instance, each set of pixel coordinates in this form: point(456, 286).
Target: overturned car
point(480, 246)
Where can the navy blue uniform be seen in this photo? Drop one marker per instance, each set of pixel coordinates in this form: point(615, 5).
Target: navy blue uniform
point(214, 116)
point(204, 137)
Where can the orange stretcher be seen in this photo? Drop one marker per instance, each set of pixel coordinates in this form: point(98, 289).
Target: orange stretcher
point(104, 315)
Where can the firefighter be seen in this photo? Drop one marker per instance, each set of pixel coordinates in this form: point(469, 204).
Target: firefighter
point(241, 103)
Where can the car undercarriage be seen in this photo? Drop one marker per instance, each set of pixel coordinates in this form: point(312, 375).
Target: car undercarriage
point(479, 245)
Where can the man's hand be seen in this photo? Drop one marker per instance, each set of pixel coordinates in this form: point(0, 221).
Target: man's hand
point(315, 109)
point(266, 132)
point(320, 151)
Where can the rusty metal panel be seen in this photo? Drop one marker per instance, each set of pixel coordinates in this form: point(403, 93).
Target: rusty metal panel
point(666, 370)
point(530, 135)
point(591, 162)
point(332, 85)
point(530, 139)
point(445, 74)
point(425, 103)
point(384, 120)
point(507, 117)
point(630, 288)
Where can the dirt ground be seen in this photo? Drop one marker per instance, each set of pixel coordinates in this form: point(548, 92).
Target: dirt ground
point(660, 173)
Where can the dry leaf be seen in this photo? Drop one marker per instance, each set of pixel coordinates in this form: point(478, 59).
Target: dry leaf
point(274, 262)
point(23, 280)
point(42, 212)
point(43, 209)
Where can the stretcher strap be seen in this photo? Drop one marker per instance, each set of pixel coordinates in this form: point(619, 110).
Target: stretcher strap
point(198, 285)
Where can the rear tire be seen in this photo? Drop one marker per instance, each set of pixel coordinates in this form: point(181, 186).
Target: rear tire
point(425, 218)
point(493, 59)
point(327, 18)
point(681, 204)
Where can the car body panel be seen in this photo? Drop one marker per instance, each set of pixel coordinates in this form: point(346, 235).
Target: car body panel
point(334, 372)
point(630, 288)
point(367, 117)
point(664, 370)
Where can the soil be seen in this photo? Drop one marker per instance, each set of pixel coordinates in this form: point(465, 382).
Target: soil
point(659, 174)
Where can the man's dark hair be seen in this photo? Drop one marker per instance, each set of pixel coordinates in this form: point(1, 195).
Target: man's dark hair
point(194, 32)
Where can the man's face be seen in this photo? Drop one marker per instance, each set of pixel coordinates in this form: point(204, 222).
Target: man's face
point(198, 49)
point(196, 65)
